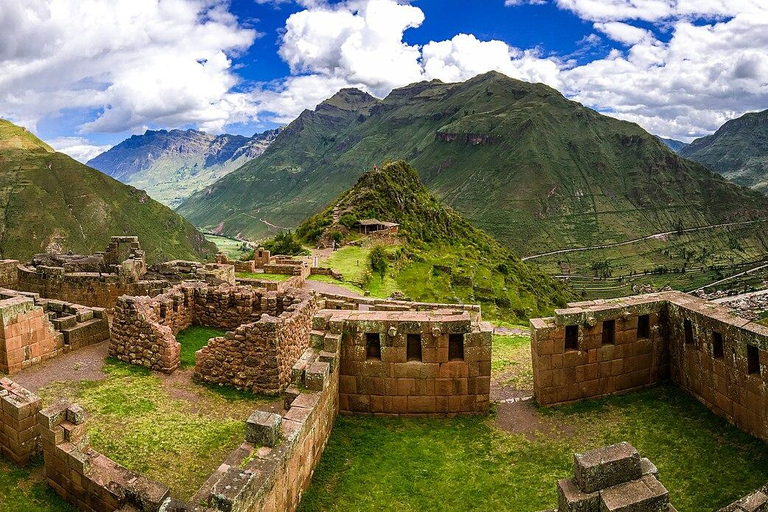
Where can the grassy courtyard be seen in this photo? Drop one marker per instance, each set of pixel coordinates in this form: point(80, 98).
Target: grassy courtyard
point(263, 276)
point(193, 339)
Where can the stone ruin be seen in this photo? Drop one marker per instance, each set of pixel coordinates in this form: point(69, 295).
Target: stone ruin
point(612, 479)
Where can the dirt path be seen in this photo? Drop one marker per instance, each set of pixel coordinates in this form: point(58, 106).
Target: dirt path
point(657, 236)
point(83, 364)
point(329, 288)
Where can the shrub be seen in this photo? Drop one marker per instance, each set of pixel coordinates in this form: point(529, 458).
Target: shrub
point(285, 243)
point(377, 259)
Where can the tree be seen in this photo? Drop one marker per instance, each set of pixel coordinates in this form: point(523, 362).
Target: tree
point(377, 260)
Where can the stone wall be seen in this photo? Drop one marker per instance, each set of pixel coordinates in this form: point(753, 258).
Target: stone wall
point(18, 422)
point(380, 374)
point(85, 477)
point(270, 471)
point(719, 358)
point(9, 273)
point(259, 356)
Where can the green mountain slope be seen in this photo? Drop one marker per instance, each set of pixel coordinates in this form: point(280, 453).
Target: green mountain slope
point(519, 160)
point(444, 258)
point(738, 150)
point(171, 165)
point(50, 201)
point(674, 145)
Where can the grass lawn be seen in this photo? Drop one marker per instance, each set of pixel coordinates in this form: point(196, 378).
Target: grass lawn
point(25, 489)
point(193, 339)
point(511, 361)
point(344, 284)
point(163, 427)
point(352, 262)
point(232, 248)
point(265, 277)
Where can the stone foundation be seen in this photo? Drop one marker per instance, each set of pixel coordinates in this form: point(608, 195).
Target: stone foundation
point(18, 422)
point(717, 357)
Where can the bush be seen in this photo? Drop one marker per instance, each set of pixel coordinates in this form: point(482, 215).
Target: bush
point(337, 237)
point(377, 259)
point(285, 243)
point(348, 220)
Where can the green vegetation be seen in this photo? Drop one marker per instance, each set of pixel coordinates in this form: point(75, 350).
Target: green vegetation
point(50, 201)
point(171, 165)
point(285, 243)
point(193, 339)
point(442, 258)
point(353, 262)
point(738, 150)
point(234, 249)
point(26, 489)
point(377, 260)
point(519, 160)
point(165, 428)
point(511, 364)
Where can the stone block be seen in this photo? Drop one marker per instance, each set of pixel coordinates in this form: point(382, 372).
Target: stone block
point(648, 468)
point(646, 494)
point(315, 375)
point(75, 414)
point(755, 502)
point(606, 467)
point(571, 499)
point(263, 428)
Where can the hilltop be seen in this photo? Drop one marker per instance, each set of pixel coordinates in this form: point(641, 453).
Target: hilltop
point(442, 257)
point(171, 165)
point(738, 150)
point(519, 160)
point(50, 201)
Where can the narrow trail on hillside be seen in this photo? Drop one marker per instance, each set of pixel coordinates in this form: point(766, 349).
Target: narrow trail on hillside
point(642, 239)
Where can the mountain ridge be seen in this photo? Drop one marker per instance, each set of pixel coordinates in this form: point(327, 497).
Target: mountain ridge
point(171, 164)
point(51, 202)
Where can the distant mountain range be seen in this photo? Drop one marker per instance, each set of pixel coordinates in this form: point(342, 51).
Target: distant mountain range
point(171, 165)
point(518, 160)
point(50, 202)
point(738, 150)
point(674, 145)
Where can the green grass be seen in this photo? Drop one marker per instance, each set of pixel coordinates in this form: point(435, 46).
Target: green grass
point(511, 361)
point(352, 262)
point(165, 428)
point(265, 277)
point(461, 464)
point(234, 249)
point(26, 489)
point(193, 339)
point(344, 284)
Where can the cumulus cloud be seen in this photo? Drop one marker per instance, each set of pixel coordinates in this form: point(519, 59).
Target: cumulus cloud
point(135, 62)
point(78, 148)
point(624, 33)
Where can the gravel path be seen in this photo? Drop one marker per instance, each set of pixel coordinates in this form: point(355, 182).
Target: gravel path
point(83, 364)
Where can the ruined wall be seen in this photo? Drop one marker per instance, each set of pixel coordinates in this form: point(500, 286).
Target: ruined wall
point(717, 357)
point(85, 477)
point(18, 422)
point(258, 356)
point(9, 273)
point(276, 477)
point(591, 365)
point(380, 374)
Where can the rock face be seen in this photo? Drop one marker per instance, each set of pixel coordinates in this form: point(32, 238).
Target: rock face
point(738, 150)
point(170, 165)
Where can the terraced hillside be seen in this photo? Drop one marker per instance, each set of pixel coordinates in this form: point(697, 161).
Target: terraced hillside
point(442, 257)
point(519, 160)
point(50, 201)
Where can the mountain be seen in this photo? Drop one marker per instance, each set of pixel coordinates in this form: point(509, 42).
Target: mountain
point(738, 150)
point(48, 201)
point(518, 160)
point(674, 145)
point(171, 165)
point(443, 258)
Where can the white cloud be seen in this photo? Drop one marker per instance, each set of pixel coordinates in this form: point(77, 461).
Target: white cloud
point(78, 148)
point(137, 61)
point(624, 33)
point(656, 10)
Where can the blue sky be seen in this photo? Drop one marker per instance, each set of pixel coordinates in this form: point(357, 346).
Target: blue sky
point(86, 74)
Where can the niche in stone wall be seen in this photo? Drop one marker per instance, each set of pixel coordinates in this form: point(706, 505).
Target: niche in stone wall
point(609, 332)
point(414, 347)
point(688, 328)
point(644, 326)
point(753, 360)
point(571, 337)
point(373, 345)
point(717, 345)
point(455, 347)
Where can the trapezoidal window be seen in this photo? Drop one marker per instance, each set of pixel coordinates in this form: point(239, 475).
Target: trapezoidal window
point(571, 337)
point(644, 326)
point(609, 332)
point(455, 347)
point(688, 328)
point(373, 345)
point(753, 360)
point(414, 347)
point(717, 345)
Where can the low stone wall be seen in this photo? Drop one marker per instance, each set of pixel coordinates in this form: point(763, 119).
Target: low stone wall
point(325, 271)
point(273, 476)
point(259, 356)
point(403, 363)
point(719, 358)
point(85, 477)
point(273, 286)
point(756, 501)
point(18, 422)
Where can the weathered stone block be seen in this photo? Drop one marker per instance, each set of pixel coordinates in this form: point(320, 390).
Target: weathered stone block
point(316, 375)
point(571, 499)
point(606, 467)
point(644, 495)
point(263, 428)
